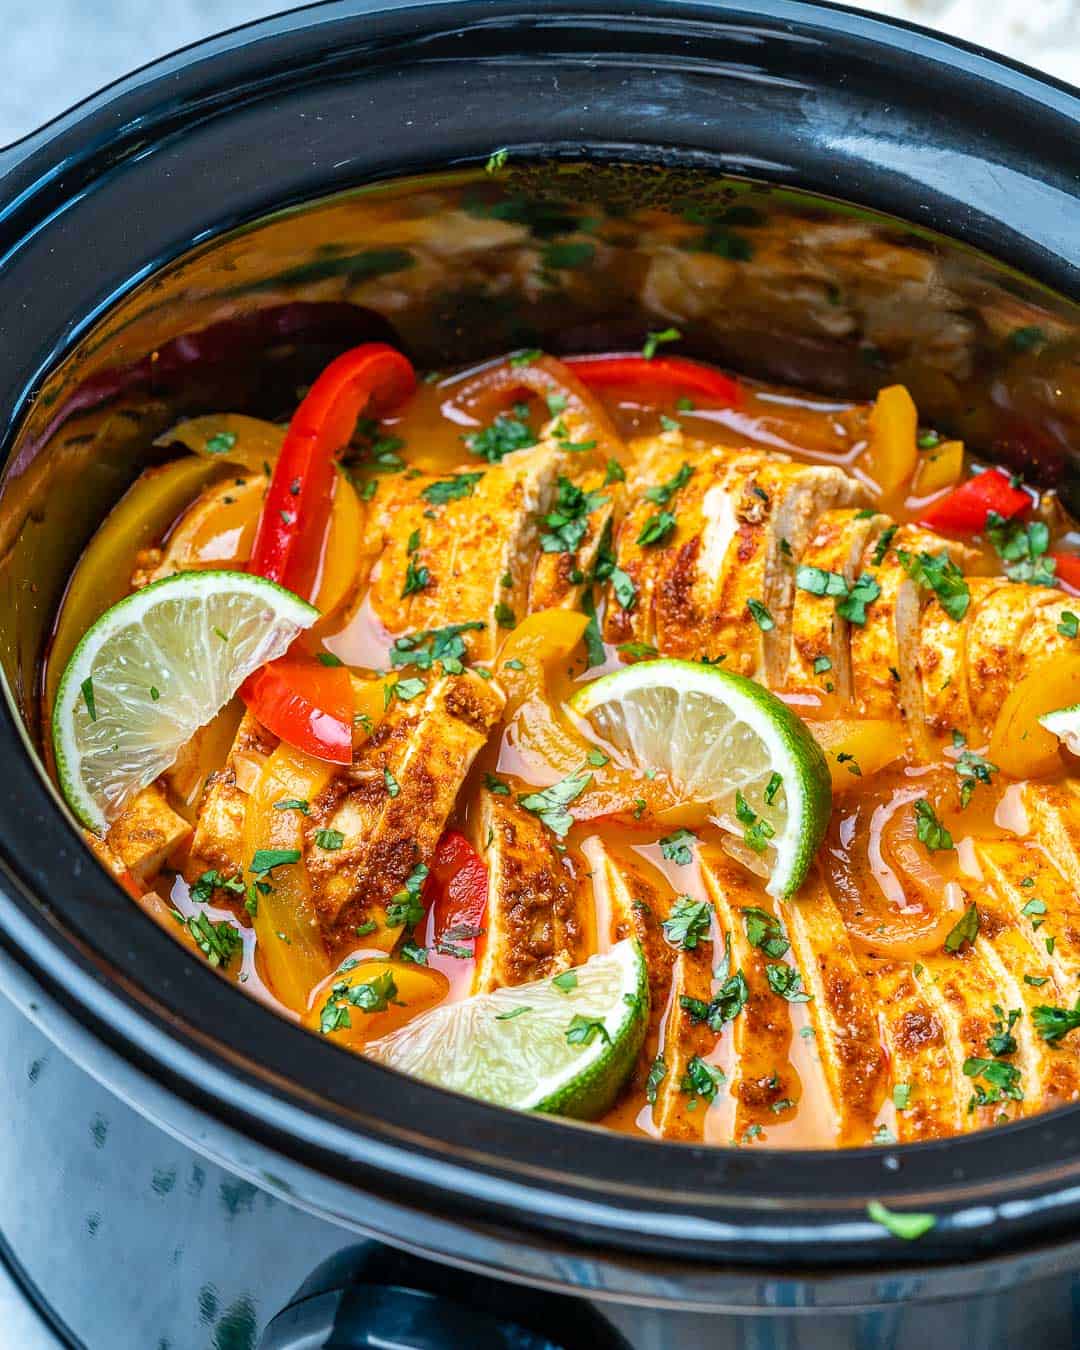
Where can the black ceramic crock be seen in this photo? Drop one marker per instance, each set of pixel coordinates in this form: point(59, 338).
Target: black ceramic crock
point(116, 216)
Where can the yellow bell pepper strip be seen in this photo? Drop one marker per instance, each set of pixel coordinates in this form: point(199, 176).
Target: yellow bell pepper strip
point(290, 941)
point(939, 468)
point(229, 438)
point(1019, 746)
point(892, 454)
point(139, 519)
point(856, 749)
point(359, 1003)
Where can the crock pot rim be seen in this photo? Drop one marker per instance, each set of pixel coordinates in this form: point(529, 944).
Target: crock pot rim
point(30, 934)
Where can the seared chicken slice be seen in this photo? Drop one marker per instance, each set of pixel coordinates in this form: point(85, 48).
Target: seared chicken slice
point(571, 533)
point(219, 831)
point(1039, 878)
point(1043, 638)
point(818, 632)
point(842, 1009)
point(764, 1086)
point(995, 632)
point(884, 649)
point(669, 552)
point(942, 665)
point(712, 563)
point(466, 558)
point(684, 1094)
point(929, 1094)
point(1050, 1074)
point(964, 993)
point(147, 832)
point(536, 922)
point(392, 806)
point(628, 902)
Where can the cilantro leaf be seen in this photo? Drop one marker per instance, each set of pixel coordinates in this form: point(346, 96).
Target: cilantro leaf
point(550, 804)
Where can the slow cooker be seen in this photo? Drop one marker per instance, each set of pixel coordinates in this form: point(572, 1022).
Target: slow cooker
point(182, 1169)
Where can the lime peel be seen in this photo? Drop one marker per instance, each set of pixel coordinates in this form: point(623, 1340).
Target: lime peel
point(721, 739)
point(1064, 723)
point(511, 1047)
point(152, 670)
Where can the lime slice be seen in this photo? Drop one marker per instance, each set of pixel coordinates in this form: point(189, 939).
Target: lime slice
point(723, 740)
point(154, 668)
point(564, 1045)
point(1064, 723)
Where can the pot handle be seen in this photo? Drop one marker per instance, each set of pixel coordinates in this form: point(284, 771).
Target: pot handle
point(373, 1296)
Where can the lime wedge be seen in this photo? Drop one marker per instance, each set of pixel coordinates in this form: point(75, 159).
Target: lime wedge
point(564, 1046)
point(1064, 723)
point(725, 741)
point(154, 668)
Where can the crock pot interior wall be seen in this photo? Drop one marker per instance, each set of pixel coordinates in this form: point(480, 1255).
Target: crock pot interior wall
point(321, 101)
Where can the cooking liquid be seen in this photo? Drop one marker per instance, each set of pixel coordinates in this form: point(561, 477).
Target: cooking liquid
point(866, 859)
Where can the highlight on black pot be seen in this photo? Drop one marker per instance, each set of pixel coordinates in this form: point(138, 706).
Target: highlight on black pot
point(601, 640)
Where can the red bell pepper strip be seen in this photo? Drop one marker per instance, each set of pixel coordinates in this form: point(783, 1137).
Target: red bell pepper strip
point(457, 886)
point(1067, 570)
point(308, 705)
point(669, 373)
point(296, 513)
point(305, 704)
point(966, 508)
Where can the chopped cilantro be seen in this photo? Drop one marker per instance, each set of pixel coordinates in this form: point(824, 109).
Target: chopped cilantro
point(656, 530)
point(938, 573)
point(407, 690)
point(966, 929)
point(760, 615)
point(329, 659)
point(901, 1095)
point(203, 888)
point(584, 1030)
point(909, 1227)
point(218, 942)
point(1069, 625)
point(688, 922)
point(614, 473)
point(509, 432)
point(657, 1073)
point(1054, 1023)
point(929, 829)
point(702, 1080)
point(445, 645)
point(819, 582)
point(822, 664)
point(853, 606)
point(266, 859)
point(220, 443)
point(663, 493)
point(653, 341)
point(765, 931)
point(393, 787)
point(972, 769)
point(676, 847)
point(416, 579)
point(450, 489)
point(566, 981)
point(330, 840)
point(567, 522)
point(550, 804)
point(87, 688)
point(1022, 549)
point(406, 908)
point(292, 804)
point(787, 982)
point(504, 615)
